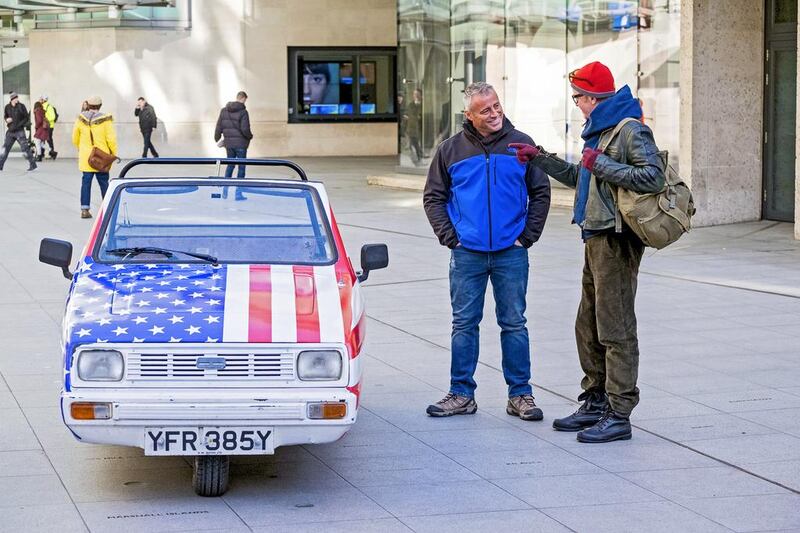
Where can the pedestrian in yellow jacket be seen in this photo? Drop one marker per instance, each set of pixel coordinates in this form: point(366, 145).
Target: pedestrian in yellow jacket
point(51, 116)
point(93, 128)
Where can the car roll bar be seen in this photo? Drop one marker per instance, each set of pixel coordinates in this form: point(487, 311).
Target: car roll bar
point(218, 161)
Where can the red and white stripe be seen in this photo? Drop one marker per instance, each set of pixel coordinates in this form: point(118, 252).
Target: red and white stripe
point(281, 303)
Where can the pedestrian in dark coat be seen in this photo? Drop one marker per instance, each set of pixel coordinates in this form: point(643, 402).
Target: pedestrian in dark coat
point(41, 133)
point(147, 123)
point(17, 121)
point(233, 127)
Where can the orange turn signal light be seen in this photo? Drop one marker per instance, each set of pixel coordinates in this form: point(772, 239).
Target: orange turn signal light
point(327, 410)
point(90, 411)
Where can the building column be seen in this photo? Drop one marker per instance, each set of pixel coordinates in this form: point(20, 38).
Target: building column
point(721, 112)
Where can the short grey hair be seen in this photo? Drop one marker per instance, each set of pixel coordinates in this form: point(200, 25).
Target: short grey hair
point(479, 87)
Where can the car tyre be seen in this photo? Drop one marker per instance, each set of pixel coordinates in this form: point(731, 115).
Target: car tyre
point(211, 474)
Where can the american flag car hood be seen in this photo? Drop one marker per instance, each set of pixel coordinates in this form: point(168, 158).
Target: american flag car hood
point(199, 303)
point(211, 304)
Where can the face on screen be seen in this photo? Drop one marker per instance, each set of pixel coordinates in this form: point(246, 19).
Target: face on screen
point(314, 84)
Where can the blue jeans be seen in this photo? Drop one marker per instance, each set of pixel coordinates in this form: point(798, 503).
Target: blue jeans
point(86, 187)
point(238, 153)
point(469, 274)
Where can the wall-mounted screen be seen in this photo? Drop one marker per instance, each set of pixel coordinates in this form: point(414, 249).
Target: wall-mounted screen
point(323, 84)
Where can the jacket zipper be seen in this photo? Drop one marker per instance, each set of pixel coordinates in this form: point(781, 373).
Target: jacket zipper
point(489, 196)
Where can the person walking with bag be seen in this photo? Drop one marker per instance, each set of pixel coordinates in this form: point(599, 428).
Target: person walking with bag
point(147, 123)
point(96, 140)
point(614, 155)
point(40, 130)
point(17, 121)
point(233, 132)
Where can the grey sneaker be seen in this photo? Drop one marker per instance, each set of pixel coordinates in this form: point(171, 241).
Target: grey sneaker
point(453, 404)
point(524, 407)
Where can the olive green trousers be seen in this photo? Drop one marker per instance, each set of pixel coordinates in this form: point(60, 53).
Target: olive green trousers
point(605, 329)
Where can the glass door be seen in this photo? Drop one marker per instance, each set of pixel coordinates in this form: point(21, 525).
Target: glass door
point(476, 53)
point(607, 32)
point(423, 65)
point(780, 108)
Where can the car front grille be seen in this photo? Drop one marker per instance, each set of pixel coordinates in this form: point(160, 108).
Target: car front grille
point(183, 367)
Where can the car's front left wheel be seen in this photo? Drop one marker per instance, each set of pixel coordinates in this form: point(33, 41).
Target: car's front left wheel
point(211, 474)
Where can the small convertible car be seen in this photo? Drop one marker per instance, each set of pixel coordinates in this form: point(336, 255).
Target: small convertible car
point(210, 324)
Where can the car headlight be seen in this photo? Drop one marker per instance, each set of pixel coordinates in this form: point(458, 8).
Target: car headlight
point(321, 365)
point(100, 365)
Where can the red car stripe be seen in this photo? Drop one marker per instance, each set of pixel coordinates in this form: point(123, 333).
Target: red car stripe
point(260, 329)
point(306, 303)
point(346, 276)
point(87, 250)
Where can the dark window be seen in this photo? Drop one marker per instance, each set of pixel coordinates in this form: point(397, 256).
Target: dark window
point(342, 84)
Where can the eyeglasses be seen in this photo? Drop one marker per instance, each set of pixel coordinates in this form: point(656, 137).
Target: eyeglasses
point(576, 97)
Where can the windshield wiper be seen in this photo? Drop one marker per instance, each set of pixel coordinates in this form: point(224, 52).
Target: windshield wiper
point(163, 251)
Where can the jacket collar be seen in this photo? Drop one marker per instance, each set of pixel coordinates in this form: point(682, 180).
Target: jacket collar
point(93, 117)
point(610, 112)
point(492, 138)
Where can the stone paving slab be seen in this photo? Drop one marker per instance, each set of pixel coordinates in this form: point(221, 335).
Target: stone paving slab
point(715, 446)
point(653, 517)
point(43, 518)
point(711, 482)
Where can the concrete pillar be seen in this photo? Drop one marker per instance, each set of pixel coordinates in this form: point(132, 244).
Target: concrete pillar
point(721, 85)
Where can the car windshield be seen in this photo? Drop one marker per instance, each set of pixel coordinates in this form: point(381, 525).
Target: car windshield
point(169, 223)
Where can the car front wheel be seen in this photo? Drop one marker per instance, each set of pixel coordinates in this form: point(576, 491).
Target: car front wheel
point(211, 474)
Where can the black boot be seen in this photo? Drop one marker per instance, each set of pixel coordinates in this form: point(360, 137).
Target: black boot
point(609, 428)
point(594, 405)
point(53, 155)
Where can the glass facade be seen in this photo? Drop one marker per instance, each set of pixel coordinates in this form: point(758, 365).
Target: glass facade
point(525, 48)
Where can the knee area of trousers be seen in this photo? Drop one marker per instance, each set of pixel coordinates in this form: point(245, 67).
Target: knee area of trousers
point(466, 323)
point(513, 326)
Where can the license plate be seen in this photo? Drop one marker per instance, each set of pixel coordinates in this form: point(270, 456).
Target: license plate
point(209, 441)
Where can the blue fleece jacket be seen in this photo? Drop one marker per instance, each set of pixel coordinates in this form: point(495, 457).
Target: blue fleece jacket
point(606, 115)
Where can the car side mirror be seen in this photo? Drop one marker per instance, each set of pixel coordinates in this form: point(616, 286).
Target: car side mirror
point(373, 257)
point(57, 253)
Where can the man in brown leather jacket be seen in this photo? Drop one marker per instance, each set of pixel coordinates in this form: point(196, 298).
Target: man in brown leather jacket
point(605, 328)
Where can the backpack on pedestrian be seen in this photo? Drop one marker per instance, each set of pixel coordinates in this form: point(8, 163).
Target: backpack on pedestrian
point(660, 218)
point(55, 112)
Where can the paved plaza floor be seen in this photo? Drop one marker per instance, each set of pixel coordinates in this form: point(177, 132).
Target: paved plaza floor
point(716, 443)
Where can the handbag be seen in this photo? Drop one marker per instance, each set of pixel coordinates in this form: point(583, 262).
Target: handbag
point(98, 158)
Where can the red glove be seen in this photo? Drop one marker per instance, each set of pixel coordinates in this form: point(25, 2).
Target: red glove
point(589, 156)
point(524, 152)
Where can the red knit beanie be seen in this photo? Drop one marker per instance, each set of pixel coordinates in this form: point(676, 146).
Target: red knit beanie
point(594, 79)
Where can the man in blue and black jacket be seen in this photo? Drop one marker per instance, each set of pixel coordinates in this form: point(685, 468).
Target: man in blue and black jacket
point(488, 209)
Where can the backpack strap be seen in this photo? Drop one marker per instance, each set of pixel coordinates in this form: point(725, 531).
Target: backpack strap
point(604, 144)
point(606, 141)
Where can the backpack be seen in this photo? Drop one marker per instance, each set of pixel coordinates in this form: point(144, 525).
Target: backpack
point(55, 112)
point(660, 218)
